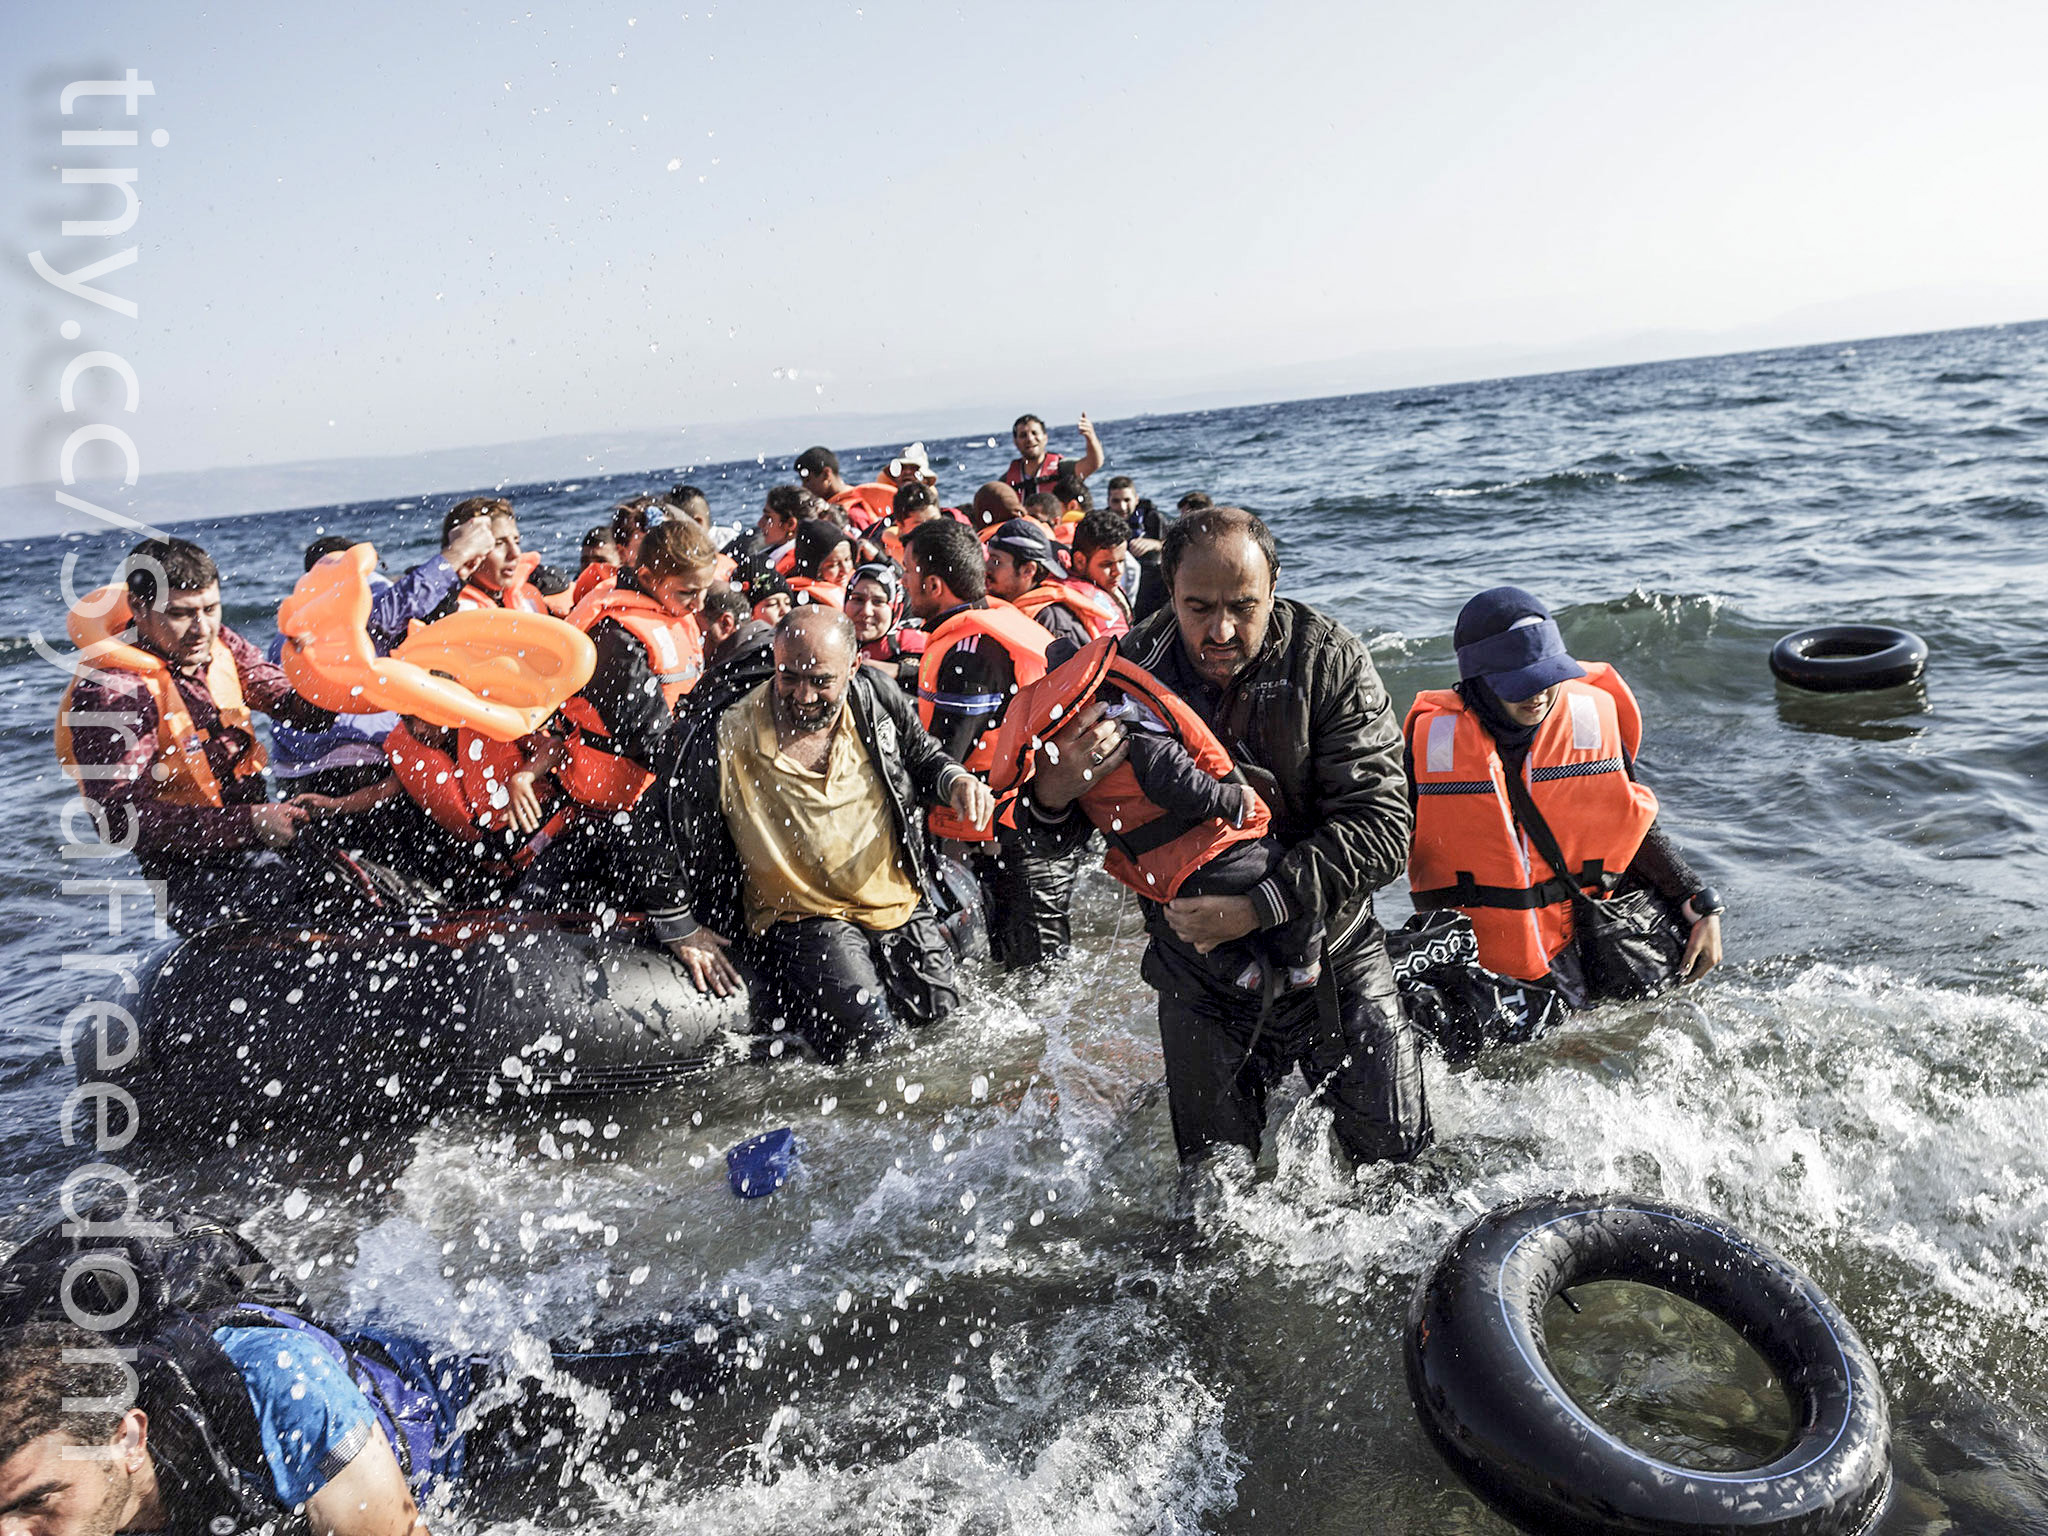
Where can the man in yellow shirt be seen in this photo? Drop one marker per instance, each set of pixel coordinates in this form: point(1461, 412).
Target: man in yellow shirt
point(798, 813)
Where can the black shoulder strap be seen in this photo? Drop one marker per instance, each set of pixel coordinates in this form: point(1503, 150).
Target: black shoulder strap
point(204, 1438)
point(1532, 822)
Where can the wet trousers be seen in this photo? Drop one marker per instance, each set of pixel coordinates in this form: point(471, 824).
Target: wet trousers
point(844, 988)
point(1347, 1034)
point(1026, 898)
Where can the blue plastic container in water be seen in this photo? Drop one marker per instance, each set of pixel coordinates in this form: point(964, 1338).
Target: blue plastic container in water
point(762, 1164)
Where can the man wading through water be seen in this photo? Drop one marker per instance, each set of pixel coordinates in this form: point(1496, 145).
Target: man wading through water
point(1295, 700)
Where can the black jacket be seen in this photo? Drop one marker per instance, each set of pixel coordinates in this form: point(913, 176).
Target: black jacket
point(914, 769)
point(1310, 726)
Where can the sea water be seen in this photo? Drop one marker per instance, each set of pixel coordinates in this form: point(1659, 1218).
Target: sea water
point(974, 1309)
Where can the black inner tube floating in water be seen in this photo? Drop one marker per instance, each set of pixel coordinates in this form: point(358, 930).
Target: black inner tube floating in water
point(1507, 1425)
point(1849, 658)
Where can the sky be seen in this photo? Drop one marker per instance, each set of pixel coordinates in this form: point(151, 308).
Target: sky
point(380, 229)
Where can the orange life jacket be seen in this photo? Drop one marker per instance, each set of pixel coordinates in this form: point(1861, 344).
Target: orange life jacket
point(866, 504)
point(182, 774)
point(599, 573)
point(464, 793)
point(1026, 642)
point(675, 652)
point(1027, 486)
point(433, 779)
point(517, 593)
point(1151, 850)
point(1470, 853)
point(1100, 613)
point(804, 588)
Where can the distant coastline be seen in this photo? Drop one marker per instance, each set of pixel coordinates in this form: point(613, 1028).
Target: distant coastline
point(29, 511)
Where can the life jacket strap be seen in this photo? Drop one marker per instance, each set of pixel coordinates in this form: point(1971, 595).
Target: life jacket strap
point(1468, 892)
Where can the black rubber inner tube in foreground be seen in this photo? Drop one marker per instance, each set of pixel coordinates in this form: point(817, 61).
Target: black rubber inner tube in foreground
point(1489, 1400)
point(1849, 658)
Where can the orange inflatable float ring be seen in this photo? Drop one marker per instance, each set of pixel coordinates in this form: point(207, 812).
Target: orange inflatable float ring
point(506, 671)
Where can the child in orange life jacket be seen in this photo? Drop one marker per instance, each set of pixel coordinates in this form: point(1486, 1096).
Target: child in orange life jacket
point(1194, 831)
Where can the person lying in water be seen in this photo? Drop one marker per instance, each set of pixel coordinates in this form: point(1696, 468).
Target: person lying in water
point(798, 819)
point(243, 1411)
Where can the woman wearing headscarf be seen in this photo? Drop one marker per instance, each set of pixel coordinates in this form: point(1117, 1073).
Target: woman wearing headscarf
point(874, 601)
point(824, 562)
point(1528, 815)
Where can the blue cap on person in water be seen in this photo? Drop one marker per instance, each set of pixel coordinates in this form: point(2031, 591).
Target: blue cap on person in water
point(1509, 641)
point(1022, 539)
point(762, 1164)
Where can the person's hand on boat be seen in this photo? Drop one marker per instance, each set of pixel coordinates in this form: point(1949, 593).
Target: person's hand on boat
point(703, 955)
point(1702, 948)
point(316, 807)
point(1078, 757)
point(468, 544)
point(1208, 921)
point(523, 800)
point(972, 802)
point(277, 824)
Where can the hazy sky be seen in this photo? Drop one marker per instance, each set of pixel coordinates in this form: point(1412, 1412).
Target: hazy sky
point(379, 228)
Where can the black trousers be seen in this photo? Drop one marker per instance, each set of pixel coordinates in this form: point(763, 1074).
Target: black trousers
point(1026, 898)
point(844, 988)
point(1347, 1034)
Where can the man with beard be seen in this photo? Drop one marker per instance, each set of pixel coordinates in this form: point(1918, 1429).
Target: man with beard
point(1296, 702)
point(797, 815)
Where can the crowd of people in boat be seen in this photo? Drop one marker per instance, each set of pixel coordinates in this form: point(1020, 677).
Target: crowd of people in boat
point(796, 740)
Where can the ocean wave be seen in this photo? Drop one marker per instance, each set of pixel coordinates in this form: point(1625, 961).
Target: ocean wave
point(1577, 480)
point(1965, 376)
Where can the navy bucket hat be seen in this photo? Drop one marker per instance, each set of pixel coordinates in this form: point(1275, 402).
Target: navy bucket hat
point(1509, 641)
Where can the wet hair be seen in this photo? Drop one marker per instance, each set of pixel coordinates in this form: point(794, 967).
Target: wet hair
point(1211, 525)
point(1101, 529)
point(327, 544)
point(790, 501)
point(185, 567)
point(674, 549)
point(913, 496)
point(951, 552)
point(39, 1379)
point(996, 502)
point(818, 510)
point(813, 461)
point(1018, 425)
point(1121, 483)
point(600, 537)
point(1046, 508)
point(813, 621)
point(815, 542)
point(470, 508)
point(1194, 501)
point(1071, 487)
point(723, 601)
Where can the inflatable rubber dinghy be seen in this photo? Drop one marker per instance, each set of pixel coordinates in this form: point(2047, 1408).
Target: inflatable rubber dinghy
point(395, 1018)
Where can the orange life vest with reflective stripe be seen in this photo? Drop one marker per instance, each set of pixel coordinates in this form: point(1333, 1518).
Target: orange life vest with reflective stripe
point(1470, 853)
point(1026, 641)
point(1099, 613)
point(1151, 850)
point(180, 770)
point(516, 593)
point(675, 654)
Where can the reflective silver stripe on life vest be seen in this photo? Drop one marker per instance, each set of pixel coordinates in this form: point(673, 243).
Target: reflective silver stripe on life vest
point(668, 656)
point(1443, 736)
point(1585, 722)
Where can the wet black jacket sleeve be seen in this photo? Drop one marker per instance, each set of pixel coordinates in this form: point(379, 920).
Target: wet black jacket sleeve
point(1177, 784)
point(627, 698)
